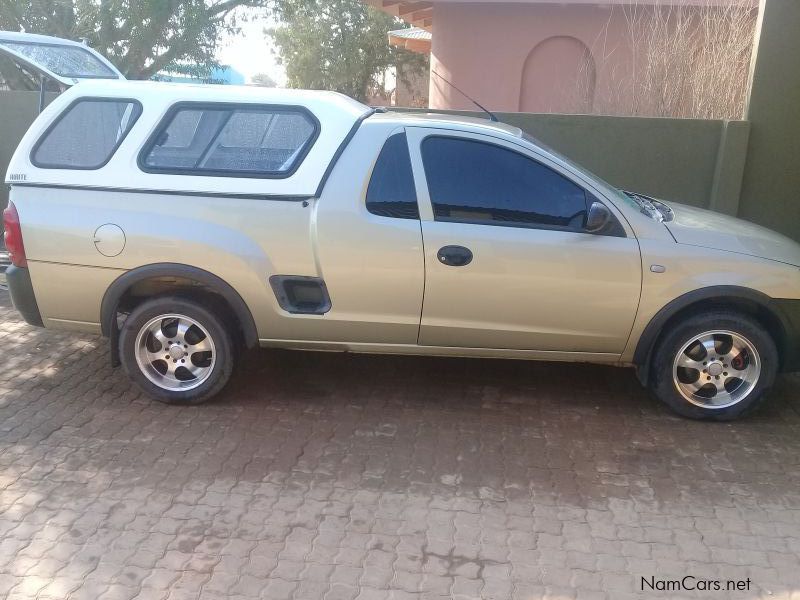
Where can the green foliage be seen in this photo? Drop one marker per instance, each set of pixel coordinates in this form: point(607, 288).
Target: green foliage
point(338, 45)
point(141, 37)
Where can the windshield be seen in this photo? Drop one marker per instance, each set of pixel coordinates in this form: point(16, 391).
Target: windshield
point(73, 62)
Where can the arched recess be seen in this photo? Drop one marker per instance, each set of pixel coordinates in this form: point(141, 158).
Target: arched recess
point(558, 76)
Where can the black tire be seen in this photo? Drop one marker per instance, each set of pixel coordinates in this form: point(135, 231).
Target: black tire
point(678, 334)
point(224, 350)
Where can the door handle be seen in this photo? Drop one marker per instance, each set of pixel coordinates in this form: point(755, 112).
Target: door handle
point(454, 256)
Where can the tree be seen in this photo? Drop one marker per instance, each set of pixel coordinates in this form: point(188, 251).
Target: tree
point(141, 37)
point(339, 45)
point(264, 80)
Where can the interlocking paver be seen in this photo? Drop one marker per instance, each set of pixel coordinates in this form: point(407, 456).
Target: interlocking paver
point(338, 476)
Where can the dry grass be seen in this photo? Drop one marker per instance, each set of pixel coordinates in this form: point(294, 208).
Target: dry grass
point(687, 61)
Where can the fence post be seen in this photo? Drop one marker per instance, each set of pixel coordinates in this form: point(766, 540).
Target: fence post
point(726, 186)
point(771, 185)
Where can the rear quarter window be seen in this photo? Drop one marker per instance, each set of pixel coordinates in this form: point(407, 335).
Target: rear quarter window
point(231, 140)
point(86, 134)
point(391, 191)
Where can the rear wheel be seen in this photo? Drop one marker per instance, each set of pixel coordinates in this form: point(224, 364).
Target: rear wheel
point(176, 350)
point(715, 365)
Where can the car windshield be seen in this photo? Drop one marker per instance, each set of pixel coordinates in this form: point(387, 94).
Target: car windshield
point(65, 61)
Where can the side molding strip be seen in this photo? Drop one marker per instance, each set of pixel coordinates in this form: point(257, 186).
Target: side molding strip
point(91, 188)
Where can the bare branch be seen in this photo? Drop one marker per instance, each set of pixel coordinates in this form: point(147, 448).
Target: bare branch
point(686, 61)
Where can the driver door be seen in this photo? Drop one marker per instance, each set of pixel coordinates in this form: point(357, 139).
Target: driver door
point(508, 264)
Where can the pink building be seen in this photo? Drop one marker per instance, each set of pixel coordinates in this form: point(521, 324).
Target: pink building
point(573, 56)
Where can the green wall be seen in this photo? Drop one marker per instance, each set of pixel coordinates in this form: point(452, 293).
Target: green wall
point(771, 187)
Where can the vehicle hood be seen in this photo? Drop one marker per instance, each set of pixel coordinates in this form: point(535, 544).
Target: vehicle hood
point(708, 229)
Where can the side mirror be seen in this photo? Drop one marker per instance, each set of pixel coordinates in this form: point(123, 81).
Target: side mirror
point(598, 217)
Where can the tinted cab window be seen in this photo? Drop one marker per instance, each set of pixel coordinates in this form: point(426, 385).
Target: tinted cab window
point(391, 191)
point(477, 182)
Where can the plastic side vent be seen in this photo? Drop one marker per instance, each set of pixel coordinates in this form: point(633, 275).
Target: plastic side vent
point(301, 295)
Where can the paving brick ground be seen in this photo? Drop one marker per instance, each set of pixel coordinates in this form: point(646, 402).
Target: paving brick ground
point(340, 477)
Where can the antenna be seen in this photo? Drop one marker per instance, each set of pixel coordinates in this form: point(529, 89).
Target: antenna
point(492, 116)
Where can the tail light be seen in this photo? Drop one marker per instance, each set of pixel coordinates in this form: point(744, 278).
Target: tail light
point(13, 236)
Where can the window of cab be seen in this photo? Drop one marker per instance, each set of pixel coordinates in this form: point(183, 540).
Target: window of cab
point(230, 140)
point(391, 191)
point(86, 135)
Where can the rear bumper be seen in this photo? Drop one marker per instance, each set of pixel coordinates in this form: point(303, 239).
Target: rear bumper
point(21, 288)
point(789, 311)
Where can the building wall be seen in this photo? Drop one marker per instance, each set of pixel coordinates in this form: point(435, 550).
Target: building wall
point(223, 75)
point(588, 58)
point(529, 57)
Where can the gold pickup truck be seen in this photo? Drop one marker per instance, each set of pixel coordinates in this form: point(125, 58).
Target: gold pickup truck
point(188, 223)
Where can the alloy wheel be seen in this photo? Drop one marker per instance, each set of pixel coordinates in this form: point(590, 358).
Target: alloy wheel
point(175, 352)
point(716, 369)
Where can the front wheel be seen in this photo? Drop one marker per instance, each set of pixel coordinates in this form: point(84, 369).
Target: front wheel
point(715, 365)
point(176, 350)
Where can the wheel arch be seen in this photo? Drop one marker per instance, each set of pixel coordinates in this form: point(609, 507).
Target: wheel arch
point(752, 302)
point(121, 286)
